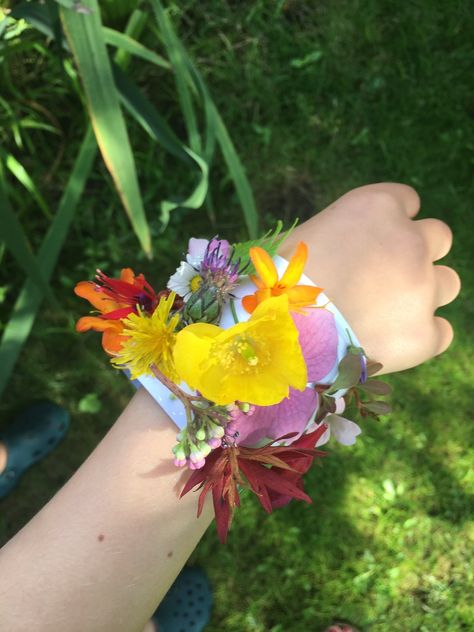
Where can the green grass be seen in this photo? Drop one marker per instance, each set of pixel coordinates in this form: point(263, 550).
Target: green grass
point(318, 97)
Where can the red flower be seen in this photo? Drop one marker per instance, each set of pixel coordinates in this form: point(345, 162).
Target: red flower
point(115, 299)
point(274, 486)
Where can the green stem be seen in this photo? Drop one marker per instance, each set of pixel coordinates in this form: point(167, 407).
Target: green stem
point(234, 313)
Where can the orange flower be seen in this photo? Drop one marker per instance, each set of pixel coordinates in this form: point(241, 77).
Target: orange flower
point(269, 285)
point(115, 299)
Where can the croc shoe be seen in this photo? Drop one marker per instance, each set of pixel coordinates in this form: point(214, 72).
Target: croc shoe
point(187, 605)
point(33, 435)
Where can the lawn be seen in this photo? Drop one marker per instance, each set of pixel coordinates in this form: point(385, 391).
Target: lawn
point(319, 97)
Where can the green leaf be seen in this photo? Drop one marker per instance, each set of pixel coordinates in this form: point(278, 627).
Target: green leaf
point(348, 373)
point(373, 367)
point(310, 58)
point(270, 242)
point(215, 127)
point(17, 243)
point(376, 387)
point(20, 173)
point(143, 111)
point(152, 122)
point(178, 58)
point(29, 300)
point(128, 44)
point(90, 403)
point(86, 40)
point(379, 408)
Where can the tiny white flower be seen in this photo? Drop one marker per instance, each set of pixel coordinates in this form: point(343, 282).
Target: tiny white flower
point(343, 430)
point(185, 280)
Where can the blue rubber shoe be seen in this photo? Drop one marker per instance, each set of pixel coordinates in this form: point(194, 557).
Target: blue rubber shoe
point(33, 435)
point(187, 605)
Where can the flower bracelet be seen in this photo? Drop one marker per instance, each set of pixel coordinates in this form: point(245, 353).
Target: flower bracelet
point(249, 358)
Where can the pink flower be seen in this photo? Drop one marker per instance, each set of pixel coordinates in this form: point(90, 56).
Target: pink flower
point(318, 339)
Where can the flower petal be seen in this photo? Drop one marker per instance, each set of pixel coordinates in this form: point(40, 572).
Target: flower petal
point(295, 267)
point(127, 275)
point(343, 430)
point(290, 415)
point(249, 303)
point(97, 324)
point(112, 341)
point(191, 349)
point(318, 339)
point(180, 281)
point(196, 250)
point(302, 295)
point(264, 265)
point(92, 293)
point(324, 438)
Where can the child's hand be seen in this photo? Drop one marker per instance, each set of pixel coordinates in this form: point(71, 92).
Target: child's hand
point(376, 263)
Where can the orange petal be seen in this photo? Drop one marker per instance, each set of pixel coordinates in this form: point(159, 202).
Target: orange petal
point(249, 303)
point(88, 290)
point(256, 281)
point(127, 275)
point(264, 265)
point(262, 295)
point(295, 267)
point(97, 324)
point(112, 341)
point(302, 295)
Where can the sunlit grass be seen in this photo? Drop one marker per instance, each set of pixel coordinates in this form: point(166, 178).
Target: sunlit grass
point(319, 97)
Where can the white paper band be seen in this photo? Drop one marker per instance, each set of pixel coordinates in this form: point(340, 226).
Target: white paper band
point(346, 337)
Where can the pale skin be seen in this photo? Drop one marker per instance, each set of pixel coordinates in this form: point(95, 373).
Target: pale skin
point(103, 552)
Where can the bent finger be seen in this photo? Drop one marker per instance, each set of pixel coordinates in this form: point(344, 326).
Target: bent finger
point(448, 285)
point(437, 235)
point(406, 196)
point(443, 337)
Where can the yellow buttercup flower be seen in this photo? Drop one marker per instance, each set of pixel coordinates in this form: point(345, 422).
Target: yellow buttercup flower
point(149, 340)
point(256, 361)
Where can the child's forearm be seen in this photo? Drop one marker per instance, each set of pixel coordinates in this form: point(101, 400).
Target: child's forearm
point(106, 548)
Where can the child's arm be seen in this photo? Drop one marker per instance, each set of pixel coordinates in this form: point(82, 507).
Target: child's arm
point(103, 552)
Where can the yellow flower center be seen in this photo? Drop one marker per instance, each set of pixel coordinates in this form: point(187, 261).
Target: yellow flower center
point(241, 354)
point(247, 351)
point(195, 283)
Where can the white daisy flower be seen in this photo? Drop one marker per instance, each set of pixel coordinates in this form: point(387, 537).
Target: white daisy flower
point(185, 280)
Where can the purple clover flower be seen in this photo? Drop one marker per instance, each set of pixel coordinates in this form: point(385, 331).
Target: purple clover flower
point(217, 262)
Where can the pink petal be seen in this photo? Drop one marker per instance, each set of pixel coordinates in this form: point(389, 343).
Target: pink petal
point(324, 438)
point(290, 415)
point(196, 250)
point(318, 340)
point(224, 246)
point(340, 405)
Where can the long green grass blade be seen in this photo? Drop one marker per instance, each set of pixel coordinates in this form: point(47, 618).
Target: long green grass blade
point(29, 300)
point(215, 123)
point(217, 126)
point(86, 40)
point(16, 241)
point(128, 44)
point(154, 124)
point(20, 173)
point(142, 110)
point(178, 62)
